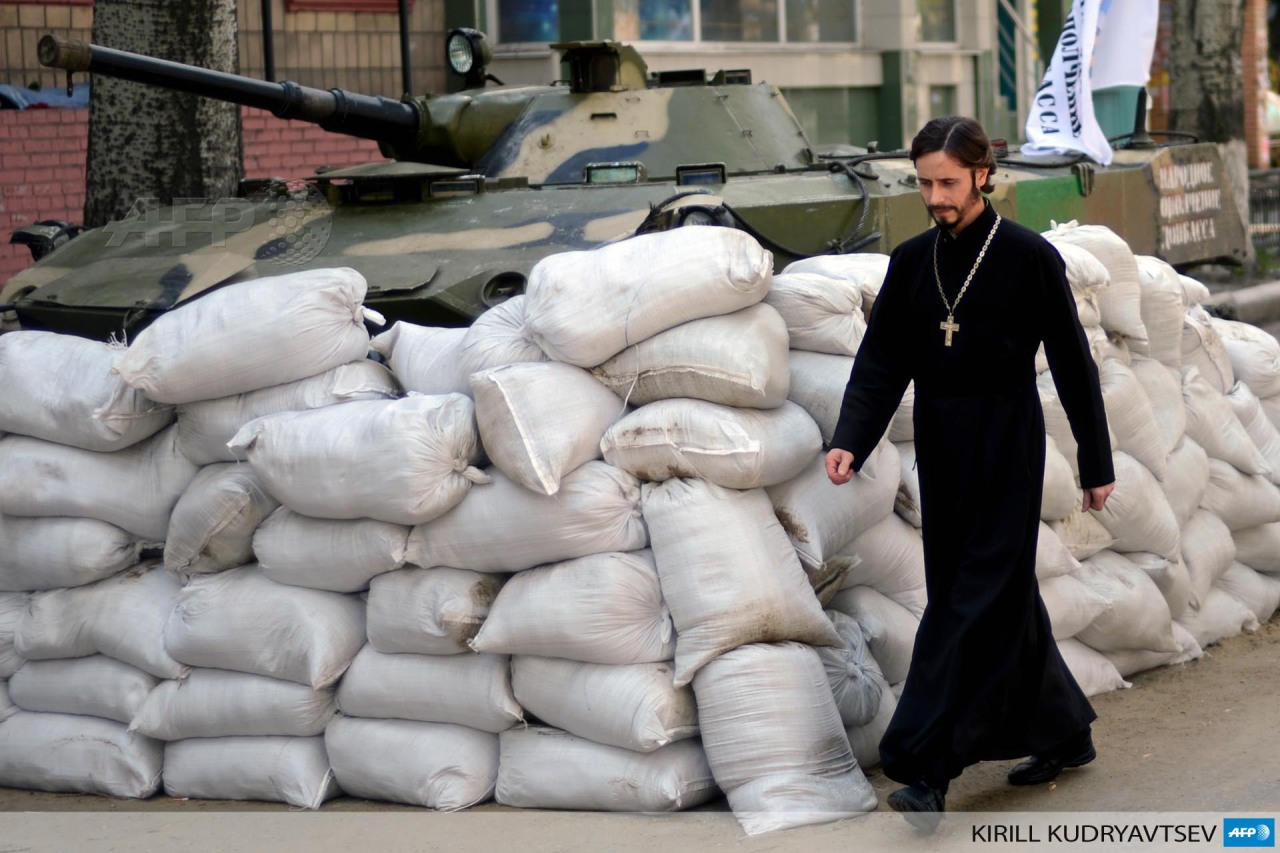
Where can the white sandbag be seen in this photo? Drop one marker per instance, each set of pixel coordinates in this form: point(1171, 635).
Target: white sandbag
point(865, 740)
point(1056, 425)
point(1091, 669)
point(402, 461)
point(586, 307)
point(737, 359)
point(539, 421)
point(205, 427)
point(323, 553)
point(48, 553)
point(1193, 291)
point(1271, 406)
point(632, 706)
point(1240, 500)
point(1082, 534)
point(1262, 432)
point(241, 620)
point(134, 489)
point(1214, 425)
point(122, 617)
point(822, 518)
point(1163, 304)
point(1137, 514)
point(13, 609)
point(498, 336)
point(435, 765)
point(852, 673)
point(822, 314)
point(1257, 547)
point(1163, 388)
point(425, 359)
point(902, 426)
point(1130, 661)
point(1061, 496)
point(470, 690)
point(602, 608)
point(817, 385)
point(78, 754)
point(544, 768)
point(1254, 354)
point(504, 527)
point(890, 629)
point(728, 572)
point(1203, 349)
point(1136, 617)
point(866, 269)
point(888, 557)
point(1121, 301)
point(774, 740)
point(1171, 578)
point(1106, 346)
point(1220, 616)
point(216, 703)
point(1085, 273)
point(731, 447)
point(251, 335)
point(1188, 479)
point(212, 525)
point(907, 501)
point(1131, 419)
point(1053, 557)
point(7, 708)
point(1071, 604)
point(96, 686)
point(60, 388)
point(429, 611)
point(1208, 549)
point(293, 770)
point(1259, 592)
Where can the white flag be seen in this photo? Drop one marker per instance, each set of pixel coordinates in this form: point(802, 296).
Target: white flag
point(1126, 41)
point(1062, 120)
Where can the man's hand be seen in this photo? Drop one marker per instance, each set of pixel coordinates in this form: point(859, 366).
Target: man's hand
point(1094, 498)
point(839, 466)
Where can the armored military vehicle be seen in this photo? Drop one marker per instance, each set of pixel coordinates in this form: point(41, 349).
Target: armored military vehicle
point(482, 183)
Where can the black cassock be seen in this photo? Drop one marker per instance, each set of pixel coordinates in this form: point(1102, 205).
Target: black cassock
point(987, 681)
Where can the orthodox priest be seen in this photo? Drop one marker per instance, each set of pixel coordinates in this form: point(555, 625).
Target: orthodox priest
point(963, 309)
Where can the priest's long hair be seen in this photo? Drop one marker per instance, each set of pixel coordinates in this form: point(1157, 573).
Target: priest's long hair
point(963, 139)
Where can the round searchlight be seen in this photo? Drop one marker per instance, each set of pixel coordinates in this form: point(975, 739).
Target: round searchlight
point(468, 53)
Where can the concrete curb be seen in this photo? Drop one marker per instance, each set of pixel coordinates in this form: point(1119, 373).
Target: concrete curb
point(1258, 304)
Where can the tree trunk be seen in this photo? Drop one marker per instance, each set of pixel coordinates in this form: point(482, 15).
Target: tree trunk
point(150, 143)
point(1206, 85)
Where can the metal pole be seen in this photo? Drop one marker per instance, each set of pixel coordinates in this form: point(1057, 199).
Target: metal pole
point(268, 43)
point(406, 72)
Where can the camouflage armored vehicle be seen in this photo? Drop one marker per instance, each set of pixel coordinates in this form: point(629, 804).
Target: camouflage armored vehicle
point(482, 183)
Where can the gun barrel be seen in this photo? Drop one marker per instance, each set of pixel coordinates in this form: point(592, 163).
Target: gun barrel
point(365, 116)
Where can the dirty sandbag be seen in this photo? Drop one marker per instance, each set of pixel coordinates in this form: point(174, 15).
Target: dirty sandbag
point(401, 461)
point(206, 426)
point(51, 553)
point(425, 359)
point(212, 525)
point(586, 307)
point(293, 770)
point(429, 611)
point(251, 335)
point(215, 703)
point(60, 388)
point(77, 754)
point(1082, 534)
point(889, 558)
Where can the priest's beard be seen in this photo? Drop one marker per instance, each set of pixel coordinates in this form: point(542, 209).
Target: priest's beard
point(949, 216)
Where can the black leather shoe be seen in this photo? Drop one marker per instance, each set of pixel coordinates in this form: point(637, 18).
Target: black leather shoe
point(920, 804)
point(1045, 768)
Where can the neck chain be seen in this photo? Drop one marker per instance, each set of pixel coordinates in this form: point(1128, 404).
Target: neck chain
point(951, 326)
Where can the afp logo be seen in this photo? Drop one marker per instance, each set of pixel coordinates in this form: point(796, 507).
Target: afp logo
point(1249, 832)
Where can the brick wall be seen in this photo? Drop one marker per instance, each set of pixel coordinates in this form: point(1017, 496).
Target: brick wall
point(42, 164)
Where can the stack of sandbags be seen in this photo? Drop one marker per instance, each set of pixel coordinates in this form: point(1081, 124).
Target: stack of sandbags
point(89, 475)
point(247, 723)
point(1120, 300)
point(707, 366)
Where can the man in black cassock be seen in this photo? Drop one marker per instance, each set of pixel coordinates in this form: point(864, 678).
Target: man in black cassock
point(963, 310)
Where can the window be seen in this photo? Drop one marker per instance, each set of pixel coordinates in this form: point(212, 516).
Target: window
point(937, 20)
point(820, 20)
point(528, 20)
point(653, 20)
point(942, 101)
point(739, 20)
